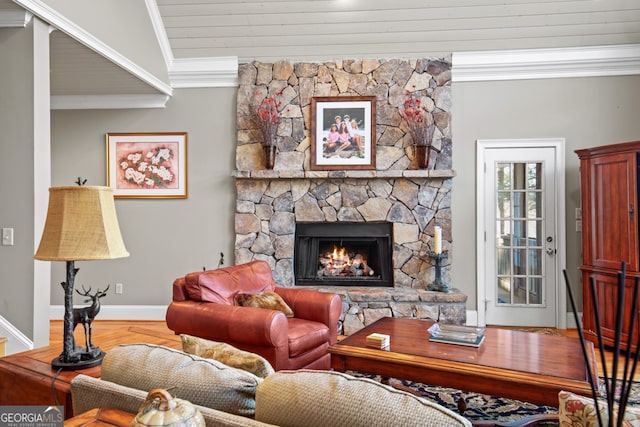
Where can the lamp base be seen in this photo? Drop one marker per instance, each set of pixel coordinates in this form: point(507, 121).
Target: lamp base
point(84, 360)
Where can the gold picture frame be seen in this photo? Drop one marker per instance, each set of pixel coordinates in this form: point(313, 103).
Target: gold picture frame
point(147, 165)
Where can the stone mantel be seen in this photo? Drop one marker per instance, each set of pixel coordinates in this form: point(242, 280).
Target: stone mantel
point(342, 174)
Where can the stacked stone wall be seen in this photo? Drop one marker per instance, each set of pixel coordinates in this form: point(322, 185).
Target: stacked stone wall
point(270, 202)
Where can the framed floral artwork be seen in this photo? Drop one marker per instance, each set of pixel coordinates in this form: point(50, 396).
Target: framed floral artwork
point(343, 132)
point(147, 165)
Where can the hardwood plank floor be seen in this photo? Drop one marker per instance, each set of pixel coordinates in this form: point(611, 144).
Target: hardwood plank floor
point(103, 326)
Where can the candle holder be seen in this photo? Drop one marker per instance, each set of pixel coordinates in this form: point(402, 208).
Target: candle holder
point(438, 284)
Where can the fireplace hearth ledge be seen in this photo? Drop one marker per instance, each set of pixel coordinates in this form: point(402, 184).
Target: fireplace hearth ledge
point(363, 174)
point(362, 306)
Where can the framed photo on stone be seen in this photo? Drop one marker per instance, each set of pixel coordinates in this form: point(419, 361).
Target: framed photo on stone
point(343, 132)
point(147, 165)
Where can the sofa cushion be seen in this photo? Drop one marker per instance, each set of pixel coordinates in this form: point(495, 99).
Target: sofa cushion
point(575, 409)
point(325, 398)
point(88, 393)
point(267, 299)
point(227, 354)
point(222, 285)
point(204, 382)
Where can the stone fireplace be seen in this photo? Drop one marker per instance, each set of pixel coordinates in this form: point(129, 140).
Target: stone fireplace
point(273, 206)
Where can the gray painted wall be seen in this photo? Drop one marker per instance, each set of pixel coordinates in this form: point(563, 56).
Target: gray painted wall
point(586, 112)
point(17, 175)
point(166, 237)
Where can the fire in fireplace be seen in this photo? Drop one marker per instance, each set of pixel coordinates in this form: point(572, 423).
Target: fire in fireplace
point(343, 254)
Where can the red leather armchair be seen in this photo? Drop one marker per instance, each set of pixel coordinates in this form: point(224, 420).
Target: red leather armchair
point(203, 306)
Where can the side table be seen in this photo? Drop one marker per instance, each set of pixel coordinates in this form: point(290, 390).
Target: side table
point(101, 417)
point(27, 378)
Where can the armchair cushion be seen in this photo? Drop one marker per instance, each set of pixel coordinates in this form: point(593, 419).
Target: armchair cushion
point(267, 299)
point(223, 284)
point(227, 354)
point(201, 381)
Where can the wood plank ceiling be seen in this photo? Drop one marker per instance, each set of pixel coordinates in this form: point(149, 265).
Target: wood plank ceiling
point(317, 30)
point(331, 29)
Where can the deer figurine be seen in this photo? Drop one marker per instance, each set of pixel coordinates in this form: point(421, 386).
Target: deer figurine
point(85, 315)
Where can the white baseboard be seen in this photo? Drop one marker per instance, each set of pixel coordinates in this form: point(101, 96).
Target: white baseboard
point(472, 319)
point(119, 312)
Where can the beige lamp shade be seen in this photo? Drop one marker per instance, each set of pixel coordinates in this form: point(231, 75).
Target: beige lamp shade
point(81, 225)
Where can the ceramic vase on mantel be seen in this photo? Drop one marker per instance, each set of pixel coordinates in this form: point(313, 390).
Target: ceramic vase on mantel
point(269, 156)
point(422, 155)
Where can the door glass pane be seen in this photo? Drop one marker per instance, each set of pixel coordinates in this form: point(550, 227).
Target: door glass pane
point(535, 262)
point(534, 204)
point(519, 205)
point(520, 234)
point(503, 174)
point(534, 176)
point(520, 261)
point(504, 262)
point(504, 290)
point(520, 290)
point(535, 290)
point(534, 233)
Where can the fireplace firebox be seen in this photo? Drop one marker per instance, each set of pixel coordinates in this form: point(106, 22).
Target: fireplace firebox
point(343, 254)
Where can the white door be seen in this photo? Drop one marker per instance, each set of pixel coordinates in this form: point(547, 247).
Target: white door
point(520, 252)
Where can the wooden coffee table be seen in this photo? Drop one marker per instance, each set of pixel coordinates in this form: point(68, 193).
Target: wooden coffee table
point(526, 366)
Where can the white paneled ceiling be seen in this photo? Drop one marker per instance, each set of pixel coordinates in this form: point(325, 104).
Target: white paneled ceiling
point(329, 29)
point(317, 30)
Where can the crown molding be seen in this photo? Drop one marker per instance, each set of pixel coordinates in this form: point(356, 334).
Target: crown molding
point(14, 18)
point(60, 22)
point(161, 33)
point(204, 72)
point(107, 102)
point(593, 61)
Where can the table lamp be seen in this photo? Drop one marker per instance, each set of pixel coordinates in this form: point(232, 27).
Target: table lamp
point(81, 225)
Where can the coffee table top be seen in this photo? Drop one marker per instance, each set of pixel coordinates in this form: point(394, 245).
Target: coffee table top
point(504, 349)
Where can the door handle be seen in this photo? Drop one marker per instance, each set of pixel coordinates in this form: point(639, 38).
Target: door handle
point(550, 251)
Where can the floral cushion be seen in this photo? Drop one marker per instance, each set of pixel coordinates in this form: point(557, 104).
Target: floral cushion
point(576, 410)
point(227, 354)
point(267, 299)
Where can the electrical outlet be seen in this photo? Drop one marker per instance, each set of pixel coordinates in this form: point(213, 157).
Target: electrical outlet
point(578, 225)
point(118, 288)
point(578, 213)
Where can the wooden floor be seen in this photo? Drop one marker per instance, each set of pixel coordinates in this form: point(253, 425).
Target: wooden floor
point(102, 326)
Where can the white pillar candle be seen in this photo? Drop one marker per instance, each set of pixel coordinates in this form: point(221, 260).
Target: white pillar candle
point(437, 239)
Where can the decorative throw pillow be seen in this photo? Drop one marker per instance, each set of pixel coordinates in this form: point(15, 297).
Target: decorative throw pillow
point(227, 354)
point(580, 410)
point(267, 299)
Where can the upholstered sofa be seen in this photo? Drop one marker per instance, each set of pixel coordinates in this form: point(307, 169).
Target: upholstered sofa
point(204, 305)
point(232, 397)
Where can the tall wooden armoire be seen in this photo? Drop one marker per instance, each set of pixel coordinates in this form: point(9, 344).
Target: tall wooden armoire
point(609, 191)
